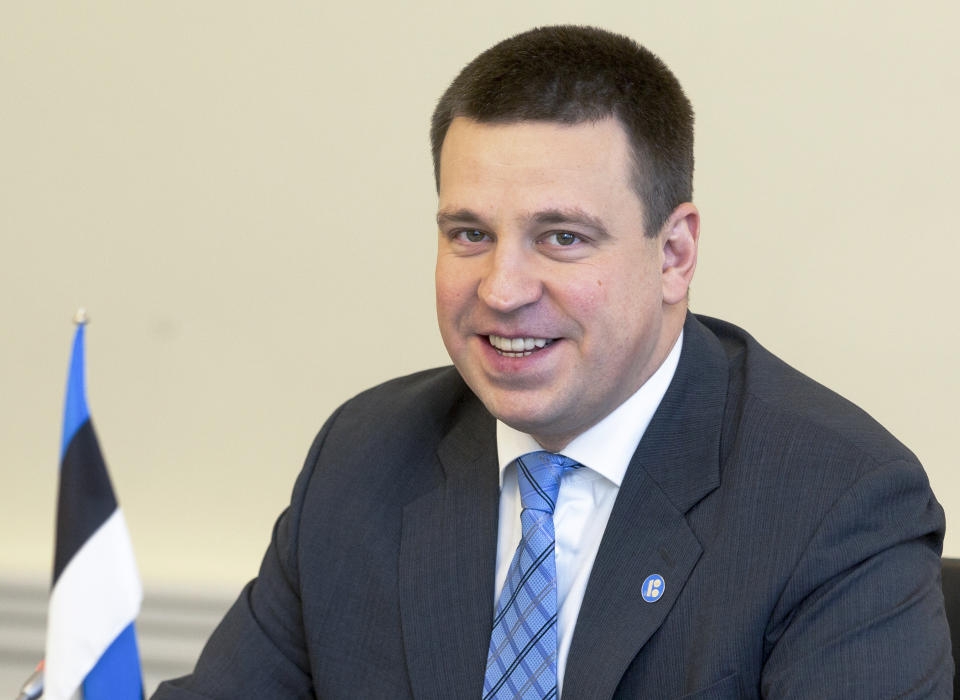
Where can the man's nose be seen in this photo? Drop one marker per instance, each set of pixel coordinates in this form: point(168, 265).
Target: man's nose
point(510, 281)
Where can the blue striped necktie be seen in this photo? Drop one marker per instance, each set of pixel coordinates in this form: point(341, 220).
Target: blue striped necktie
point(522, 661)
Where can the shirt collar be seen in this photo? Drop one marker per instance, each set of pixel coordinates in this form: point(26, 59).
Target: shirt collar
point(607, 447)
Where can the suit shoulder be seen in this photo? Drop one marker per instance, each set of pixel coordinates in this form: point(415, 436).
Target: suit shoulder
point(418, 396)
point(405, 417)
point(762, 383)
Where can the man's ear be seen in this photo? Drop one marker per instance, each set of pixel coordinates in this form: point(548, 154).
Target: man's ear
point(679, 237)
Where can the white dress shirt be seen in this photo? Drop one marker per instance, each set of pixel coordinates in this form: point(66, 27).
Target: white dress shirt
point(586, 495)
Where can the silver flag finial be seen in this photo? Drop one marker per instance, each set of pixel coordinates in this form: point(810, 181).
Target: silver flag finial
point(80, 318)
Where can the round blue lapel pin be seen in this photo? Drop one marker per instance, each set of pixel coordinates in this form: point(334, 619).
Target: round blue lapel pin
point(653, 587)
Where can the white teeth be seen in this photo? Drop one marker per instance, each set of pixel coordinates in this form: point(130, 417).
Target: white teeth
point(517, 347)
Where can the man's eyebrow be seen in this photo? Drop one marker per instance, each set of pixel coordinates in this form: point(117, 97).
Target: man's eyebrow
point(548, 217)
point(574, 215)
point(460, 216)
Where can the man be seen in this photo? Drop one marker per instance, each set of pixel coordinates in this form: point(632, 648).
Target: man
point(691, 517)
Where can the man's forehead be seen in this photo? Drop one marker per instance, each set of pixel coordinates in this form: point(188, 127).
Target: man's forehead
point(477, 152)
point(542, 172)
point(547, 131)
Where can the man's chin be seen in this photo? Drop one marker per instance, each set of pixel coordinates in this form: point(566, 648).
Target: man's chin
point(528, 417)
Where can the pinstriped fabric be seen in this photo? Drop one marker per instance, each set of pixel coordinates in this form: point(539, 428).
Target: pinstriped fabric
point(522, 661)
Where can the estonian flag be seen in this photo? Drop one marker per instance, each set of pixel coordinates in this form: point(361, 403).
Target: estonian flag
point(96, 595)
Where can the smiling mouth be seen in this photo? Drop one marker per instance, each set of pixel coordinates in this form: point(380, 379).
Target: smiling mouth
point(518, 347)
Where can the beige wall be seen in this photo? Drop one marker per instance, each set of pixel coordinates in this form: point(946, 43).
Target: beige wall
point(241, 195)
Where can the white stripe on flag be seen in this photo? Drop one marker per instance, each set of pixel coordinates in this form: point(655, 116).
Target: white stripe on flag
point(97, 595)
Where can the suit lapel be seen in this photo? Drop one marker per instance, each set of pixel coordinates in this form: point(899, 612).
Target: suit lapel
point(447, 564)
point(675, 465)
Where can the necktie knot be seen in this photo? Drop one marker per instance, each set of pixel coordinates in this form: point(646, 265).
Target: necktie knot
point(538, 475)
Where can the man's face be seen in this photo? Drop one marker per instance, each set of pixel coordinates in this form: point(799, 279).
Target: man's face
point(549, 296)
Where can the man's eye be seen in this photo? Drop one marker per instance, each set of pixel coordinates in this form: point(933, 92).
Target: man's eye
point(471, 235)
point(564, 238)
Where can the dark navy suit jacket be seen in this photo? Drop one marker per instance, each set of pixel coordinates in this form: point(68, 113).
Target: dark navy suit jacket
point(798, 541)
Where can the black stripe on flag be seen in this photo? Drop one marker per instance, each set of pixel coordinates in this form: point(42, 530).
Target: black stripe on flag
point(86, 497)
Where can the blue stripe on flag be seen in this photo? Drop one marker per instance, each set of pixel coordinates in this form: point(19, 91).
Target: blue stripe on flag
point(75, 411)
point(117, 674)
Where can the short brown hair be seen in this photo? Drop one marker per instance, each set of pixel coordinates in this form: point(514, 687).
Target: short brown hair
point(573, 74)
